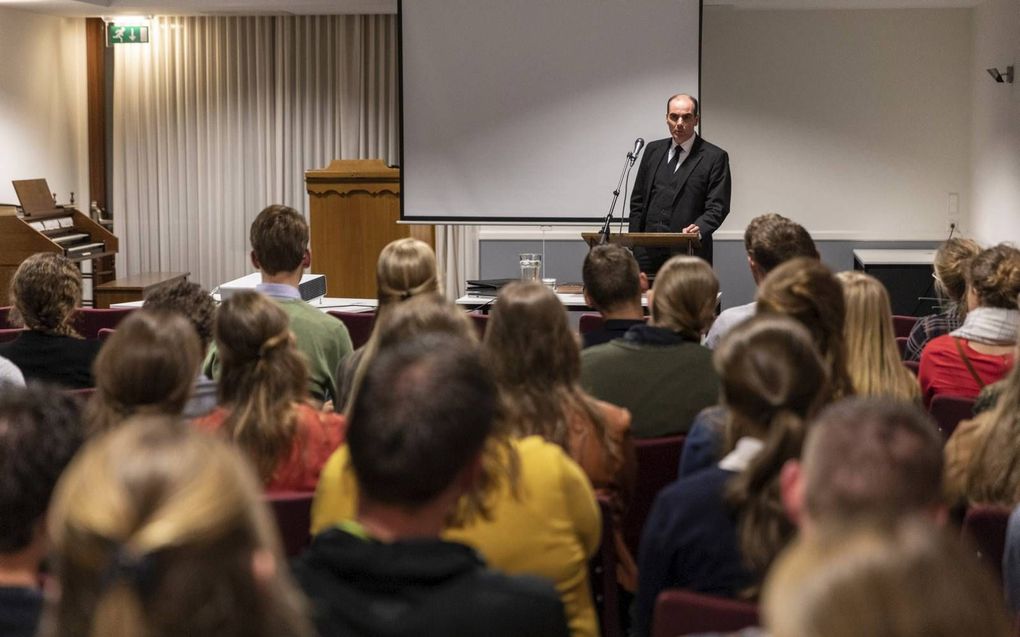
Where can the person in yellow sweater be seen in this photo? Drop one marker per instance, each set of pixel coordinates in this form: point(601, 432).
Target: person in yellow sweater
point(538, 514)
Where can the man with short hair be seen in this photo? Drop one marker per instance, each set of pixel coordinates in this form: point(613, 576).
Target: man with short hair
point(866, 459)
point(613, 285)
point(279, 250)
point(770, 240)
point(194, 303)
point(682, 185)
point(417, 431)
point(40, 431)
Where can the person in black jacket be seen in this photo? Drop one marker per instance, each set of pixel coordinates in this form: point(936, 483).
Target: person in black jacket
point(417, 429)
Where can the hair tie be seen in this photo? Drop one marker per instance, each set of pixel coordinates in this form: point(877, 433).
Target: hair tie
point(138, 571)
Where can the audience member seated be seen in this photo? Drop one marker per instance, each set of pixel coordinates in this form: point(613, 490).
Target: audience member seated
point(1011, 562)
point(873, 359)
point(10, 374)
point(533, 511)
point(951, 261)
point(158, 530)
point(803, 289)
point(866, 459)
point(983, 454)
point(718, 530)
point(909, 580)
point(980, 352)
point(770, 240)
point(45, 291)
point(279, 250)
point(197, 305)
point(535, 359)
point(613, 284)
point(386, 572)
point(660, 371)
point(40, 430)
point(405, 269)
point(147, 366)
point(262, 391)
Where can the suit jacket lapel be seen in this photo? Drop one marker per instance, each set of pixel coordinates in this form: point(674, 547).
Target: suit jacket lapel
point(688, 167)
point(654, 158)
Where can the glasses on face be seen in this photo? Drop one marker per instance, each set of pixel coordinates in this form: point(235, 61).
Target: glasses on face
point(687, 118)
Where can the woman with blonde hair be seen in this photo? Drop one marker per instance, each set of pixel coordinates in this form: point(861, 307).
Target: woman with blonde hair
point(406, 268)
point(45, 291)
point(873, 359)
point(718, 530)
point(950, 266)
point(909, 580)
point(148, 366)
point(158, 531)
point(660, 371)
point(262, 389)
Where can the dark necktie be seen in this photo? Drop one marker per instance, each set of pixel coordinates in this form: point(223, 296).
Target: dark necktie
point(673, 163)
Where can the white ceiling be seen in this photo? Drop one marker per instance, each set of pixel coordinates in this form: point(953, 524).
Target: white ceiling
point(99, 8)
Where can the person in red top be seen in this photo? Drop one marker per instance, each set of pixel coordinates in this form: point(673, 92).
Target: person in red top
point(980, 352)
point(262, 390)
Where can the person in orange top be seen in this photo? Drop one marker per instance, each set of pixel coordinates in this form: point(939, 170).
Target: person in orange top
point(262, 387)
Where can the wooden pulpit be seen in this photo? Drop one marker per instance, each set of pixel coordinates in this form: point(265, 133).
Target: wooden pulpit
point(354, 207)
point(685, 241)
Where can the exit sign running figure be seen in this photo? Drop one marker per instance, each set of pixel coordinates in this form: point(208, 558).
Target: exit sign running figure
point(126, 34)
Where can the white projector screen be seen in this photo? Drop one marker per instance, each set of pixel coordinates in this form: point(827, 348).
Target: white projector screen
point(523, 111)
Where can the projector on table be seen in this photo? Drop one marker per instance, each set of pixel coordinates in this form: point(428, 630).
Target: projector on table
point(312, 286)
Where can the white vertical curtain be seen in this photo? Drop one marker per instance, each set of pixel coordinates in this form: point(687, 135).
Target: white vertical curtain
point(218, 117)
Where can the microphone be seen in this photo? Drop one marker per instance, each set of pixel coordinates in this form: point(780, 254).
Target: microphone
point(639, 143)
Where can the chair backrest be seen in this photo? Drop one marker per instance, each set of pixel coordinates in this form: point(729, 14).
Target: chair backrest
point(903, 324)
point(602, 572)
point(105, 333)
point(901, 344)
point(359, 325)
point(10, 334)
point(948, 411)
point(986, 528)
point(480, 321)
point(88, 321)
point(657, 462)
point(5, 312)
point(293, 512)
point(680, 612)
point(913, 366)
point(83, 393)
point(589, 322)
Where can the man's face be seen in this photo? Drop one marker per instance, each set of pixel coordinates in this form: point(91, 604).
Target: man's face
point(681, 120)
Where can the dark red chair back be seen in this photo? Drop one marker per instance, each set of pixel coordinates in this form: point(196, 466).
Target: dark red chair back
point(985, 526)
point(901, 344)
point(657, 462)
point(10, 334)
point(913, 366)
point(602, 572)
point(589, 322)
point(680, 612)
point(480, 321)
point(902, 325)
point(359, 325)
point(948, 411)
point(84, 394)
point(4, 320)
point(105, 333)
point(293, 512)
point(88, 321)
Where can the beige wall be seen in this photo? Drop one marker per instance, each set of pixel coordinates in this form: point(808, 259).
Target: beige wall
point(43, 124)
point(856, 123)
point(996, 124)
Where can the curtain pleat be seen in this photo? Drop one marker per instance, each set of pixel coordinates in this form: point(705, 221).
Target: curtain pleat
point(218, 117)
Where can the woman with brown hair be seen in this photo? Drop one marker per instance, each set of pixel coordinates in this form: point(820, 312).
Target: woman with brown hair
point(718, 530)
point(159, 531)
point(45, 291)
point(148, 366)
point(980, 352)
point(406, 268)
point(262, 389)
point(873, 359)
point(951, 261)
point(661, 372)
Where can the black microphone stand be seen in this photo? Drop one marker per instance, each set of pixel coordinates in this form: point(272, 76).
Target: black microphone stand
point(627, 165)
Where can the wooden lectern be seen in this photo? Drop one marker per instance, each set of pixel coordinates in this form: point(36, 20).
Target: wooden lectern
point(690, 241)
point(354, 207)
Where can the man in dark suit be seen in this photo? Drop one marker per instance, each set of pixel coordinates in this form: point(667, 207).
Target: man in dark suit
point(682, 185)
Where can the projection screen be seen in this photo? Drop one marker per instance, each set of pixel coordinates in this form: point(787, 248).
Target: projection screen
point(523, 111)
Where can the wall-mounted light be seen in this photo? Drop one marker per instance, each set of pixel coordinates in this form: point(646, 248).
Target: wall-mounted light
point(1000, 77)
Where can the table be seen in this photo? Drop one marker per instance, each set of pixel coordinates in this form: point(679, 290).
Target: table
point(323, 304)
point(573, 302)
point(133, 288)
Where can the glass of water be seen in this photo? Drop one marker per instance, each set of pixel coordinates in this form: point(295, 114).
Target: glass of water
point(531, 266)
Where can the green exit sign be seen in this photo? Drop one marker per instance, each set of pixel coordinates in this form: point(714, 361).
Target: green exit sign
point(126, 34)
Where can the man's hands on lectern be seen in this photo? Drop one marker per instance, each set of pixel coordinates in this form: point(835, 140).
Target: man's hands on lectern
point(692, 228)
